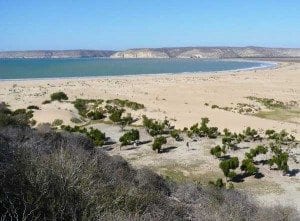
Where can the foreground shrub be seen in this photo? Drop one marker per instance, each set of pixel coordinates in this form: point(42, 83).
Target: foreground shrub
point(61, 176)
point(58, 96)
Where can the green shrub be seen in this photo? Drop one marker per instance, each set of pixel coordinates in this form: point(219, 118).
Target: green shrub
point(75, 120)
point(95, 115)
point(158, 142)
point(228, 165)
point(33, 107)
point(46, 102)
point(204, 130)
point(58, 96)
point(57, 122)
point(126, 103)
point(95, 135)
point(249, 167)
point(176, 135)
point(116, 115)
point(280, 158)
point(217, 151)
point(129, 137)
point(154, 128)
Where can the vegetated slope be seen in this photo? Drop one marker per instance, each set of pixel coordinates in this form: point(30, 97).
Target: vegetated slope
point(49, 175)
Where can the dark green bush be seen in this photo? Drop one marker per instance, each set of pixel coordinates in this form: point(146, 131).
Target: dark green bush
point(228, 165)
point(33, 107)
point(158, 142)
point(153, 127)
point(58, 96)
point(129, 137)
point(116, 115)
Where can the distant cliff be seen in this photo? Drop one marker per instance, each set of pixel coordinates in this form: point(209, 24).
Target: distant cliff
point(56, 54)
point(178, 52)
point(208, 52)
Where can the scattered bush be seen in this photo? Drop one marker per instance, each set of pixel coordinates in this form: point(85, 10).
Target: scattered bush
point(126, 103)
point(249, 167)
point(251, 134)
point(57, 122)
point(129, 137)
point(158, 142)
point(75, 120)
point(228, 165)
point(33, 107)
point(176, 135)
point(95, 115)
point(154, 128)
point(116, 115)
point(46, 102)
point(283, 137)
point(203, 130)
point(280, 158)
point(94, 134)
point(217, 151)
point(58, 96)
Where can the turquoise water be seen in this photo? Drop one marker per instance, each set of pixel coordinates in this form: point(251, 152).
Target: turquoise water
point(54, 68)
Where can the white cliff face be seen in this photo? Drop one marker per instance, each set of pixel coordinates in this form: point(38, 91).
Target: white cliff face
point(140, 53)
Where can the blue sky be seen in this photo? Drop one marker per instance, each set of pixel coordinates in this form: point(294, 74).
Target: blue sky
point(116, 24)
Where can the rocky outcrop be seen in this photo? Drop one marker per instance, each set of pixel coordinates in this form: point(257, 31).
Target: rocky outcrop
point(140, 53)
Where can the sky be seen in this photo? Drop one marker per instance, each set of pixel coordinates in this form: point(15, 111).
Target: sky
point(123, 24)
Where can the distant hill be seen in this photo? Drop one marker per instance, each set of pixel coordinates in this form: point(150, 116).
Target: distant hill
point(209, 52)
point(176, 52)
point(56, 54)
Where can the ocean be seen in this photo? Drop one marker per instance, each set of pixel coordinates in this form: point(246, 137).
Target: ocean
point(91, 67)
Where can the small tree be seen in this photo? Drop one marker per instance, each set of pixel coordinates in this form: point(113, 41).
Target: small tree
point(228, 165)
point(59, 96)
point(217, 151)
point(249, 167)
point(279, 158)
point(116, 115)
point(158, 142)
point(129, 137)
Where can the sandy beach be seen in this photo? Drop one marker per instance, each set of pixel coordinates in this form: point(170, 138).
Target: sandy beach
point(183, 98)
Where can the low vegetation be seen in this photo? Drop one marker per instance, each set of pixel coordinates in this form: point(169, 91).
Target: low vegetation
point(58, 96)
point(158, 142)
point(95, 135)
point(126, 103)
point(48, 174)
point(203, 130)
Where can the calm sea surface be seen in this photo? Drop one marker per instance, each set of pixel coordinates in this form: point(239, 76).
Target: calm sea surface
point(55, 68)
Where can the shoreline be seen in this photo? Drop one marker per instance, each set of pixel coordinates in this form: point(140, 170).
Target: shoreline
point(180, 97)
point(263, 65)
